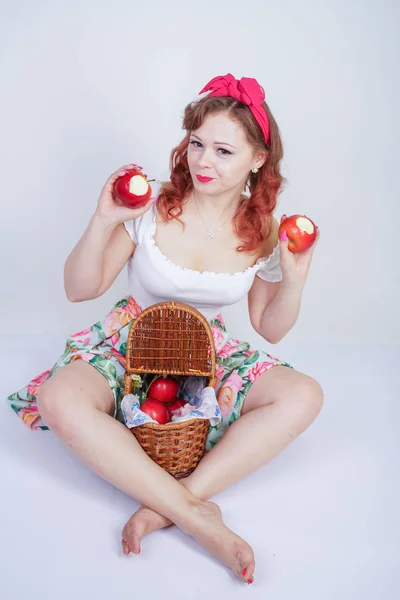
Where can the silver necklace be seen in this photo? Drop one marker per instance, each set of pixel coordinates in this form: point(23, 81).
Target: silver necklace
point(210, 233)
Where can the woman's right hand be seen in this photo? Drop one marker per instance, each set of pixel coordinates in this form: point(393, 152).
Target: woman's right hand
point(110, 208)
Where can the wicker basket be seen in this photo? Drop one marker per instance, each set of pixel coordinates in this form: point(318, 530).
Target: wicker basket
point(171, 338)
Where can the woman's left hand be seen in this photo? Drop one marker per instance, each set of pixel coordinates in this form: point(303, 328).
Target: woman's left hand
point(295, 265)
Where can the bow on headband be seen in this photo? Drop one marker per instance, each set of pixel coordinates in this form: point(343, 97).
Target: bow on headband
point(247, 90)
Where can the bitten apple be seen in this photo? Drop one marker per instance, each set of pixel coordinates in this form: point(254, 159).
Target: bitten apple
point(300, 230)
point(133, 189)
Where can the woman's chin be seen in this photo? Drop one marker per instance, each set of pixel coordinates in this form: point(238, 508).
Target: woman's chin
point(207, 189)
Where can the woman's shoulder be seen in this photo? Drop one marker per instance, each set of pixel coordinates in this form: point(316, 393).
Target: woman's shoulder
point(271, 241)
point(137, 228)
point(269, 261)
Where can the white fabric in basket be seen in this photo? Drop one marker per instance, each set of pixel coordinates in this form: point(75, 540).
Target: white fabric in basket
point(203, 406)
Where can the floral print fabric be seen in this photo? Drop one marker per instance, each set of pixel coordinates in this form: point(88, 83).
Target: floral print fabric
point(103, 345)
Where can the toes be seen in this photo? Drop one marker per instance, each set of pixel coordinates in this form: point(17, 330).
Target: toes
point(246, 578)
point(250, 569)
point(131, 537)
point(249, 578)
point(135, 544)
point(125, 547)
point(247, 574)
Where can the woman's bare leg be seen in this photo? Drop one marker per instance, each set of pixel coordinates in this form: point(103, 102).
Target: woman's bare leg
point(280, 405)
point(76, 404)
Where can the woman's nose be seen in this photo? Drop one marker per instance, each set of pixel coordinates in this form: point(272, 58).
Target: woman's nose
point(205, 158)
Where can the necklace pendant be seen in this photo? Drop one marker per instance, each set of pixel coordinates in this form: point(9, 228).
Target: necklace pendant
point(209, 235)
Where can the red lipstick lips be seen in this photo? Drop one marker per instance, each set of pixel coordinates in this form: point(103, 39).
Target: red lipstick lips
point(204, 179)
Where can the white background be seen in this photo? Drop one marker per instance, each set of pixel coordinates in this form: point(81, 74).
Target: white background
point(88, 86)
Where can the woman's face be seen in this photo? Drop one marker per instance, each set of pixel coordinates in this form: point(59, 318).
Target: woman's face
point(219, 150)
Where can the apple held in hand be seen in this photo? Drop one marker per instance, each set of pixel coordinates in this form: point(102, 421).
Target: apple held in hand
point(156, 410)
point(133, 189)
point(163, 389)
point(300, 230)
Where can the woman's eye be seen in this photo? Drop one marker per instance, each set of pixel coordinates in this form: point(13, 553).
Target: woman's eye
point(197, 144)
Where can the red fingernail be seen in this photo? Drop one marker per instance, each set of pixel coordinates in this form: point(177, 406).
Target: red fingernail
point(250, 580)
point(284, 236)
point(244, 572)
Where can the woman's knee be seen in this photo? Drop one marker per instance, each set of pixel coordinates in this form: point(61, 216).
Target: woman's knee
point(55, 401)
point(309, 393)
point(71, 390)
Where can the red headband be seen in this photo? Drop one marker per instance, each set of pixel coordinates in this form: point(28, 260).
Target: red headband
point(247, 90)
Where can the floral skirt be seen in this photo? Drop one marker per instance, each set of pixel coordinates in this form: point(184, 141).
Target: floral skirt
point(103, 345)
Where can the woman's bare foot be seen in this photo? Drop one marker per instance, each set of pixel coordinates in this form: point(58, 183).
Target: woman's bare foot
point(212, 533)
point(143, 521)
point(209, 531)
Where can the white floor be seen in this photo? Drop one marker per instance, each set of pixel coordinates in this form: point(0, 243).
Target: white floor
point(323, 517)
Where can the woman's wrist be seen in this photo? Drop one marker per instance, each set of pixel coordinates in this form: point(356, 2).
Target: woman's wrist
point(104, 221)
point(292, 283)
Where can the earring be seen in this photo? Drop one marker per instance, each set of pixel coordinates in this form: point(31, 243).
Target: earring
point(254, 170)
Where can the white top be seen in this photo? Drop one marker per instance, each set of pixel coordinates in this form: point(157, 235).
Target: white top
point(154, 278)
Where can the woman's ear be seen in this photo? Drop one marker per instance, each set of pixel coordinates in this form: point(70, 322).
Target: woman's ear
point(260, 159)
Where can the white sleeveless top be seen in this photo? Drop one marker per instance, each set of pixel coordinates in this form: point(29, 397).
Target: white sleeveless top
point(153, 278)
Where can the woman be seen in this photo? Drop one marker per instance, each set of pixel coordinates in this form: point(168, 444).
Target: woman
point(208, 244)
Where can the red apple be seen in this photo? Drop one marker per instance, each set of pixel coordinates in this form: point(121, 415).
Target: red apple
point(300, 230)
point(133, 189)
point(163, 389)
point(176, 405)
point(156, 410)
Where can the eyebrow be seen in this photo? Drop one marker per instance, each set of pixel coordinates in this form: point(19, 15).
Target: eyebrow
point(224, 143)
